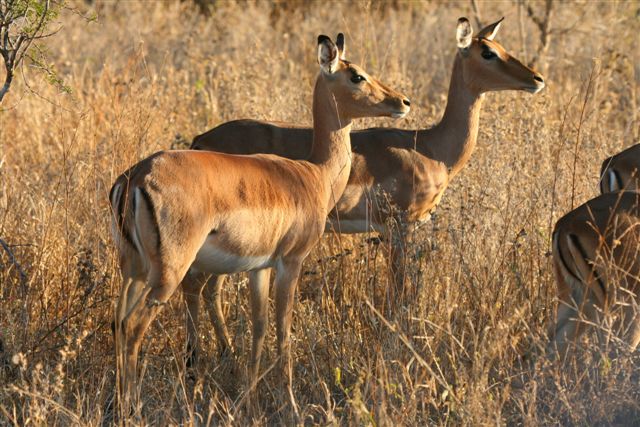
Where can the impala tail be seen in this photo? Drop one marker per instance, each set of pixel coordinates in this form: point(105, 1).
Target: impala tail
point(580, 287)
point(610, 180)
point(620, 172)
point(596, 259)
point(575, 269)
point(134, 225)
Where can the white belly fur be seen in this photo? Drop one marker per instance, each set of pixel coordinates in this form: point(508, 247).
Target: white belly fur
point(212, 259)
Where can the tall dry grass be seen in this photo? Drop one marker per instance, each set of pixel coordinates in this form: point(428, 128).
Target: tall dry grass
point(147, 76)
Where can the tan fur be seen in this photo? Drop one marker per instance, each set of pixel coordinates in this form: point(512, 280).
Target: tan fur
point(220, 213)
point(620, 172)
point(409, 168)
point(597, 264)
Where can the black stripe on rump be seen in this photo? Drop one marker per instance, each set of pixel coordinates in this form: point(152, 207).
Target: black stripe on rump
point(119, 212)
point(149, 202)
point(576, 242)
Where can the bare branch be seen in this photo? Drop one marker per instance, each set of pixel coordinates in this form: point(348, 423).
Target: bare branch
point(543, 23)
point(476, 14)
point(14, 262)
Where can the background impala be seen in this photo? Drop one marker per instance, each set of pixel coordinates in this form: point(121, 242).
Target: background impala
point(596, 258)
point(621, 171)
point(145, 71)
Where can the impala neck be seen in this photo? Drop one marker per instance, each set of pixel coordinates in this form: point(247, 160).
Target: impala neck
point(453, 140)
point(331, 148)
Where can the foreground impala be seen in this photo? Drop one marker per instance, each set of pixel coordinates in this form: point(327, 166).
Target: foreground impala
point(219, 213)
point(596, 257)
point(410, 168)
point(620, 171)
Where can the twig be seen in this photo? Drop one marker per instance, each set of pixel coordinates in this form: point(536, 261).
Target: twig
point(544, 26)
point(476, 14)
point(579, 130)
point(16, 264)
point(554, 190)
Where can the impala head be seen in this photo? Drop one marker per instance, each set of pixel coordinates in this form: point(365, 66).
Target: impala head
point(486, 64)
point(357, 93)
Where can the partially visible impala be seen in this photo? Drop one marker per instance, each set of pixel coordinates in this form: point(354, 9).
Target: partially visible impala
point(620, 171)
point(596, 258)
point(410, 168)
point(220, 213)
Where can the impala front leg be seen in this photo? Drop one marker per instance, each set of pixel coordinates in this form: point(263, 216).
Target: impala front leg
point(287, 274)
point(399, 241)
point(259, 295)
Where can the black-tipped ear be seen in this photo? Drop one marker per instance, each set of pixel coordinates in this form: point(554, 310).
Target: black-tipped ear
point(322, 38)
point(327, 55)
point(341, 45)
point(463, 33)
point(489, 32)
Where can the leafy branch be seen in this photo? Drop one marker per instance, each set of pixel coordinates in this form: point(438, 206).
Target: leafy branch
point(21, 23)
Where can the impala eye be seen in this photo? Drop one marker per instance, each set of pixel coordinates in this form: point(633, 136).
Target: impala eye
point(357, 78)
point(488, 54)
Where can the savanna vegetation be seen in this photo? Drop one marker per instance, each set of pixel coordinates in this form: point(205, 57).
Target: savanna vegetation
point(117, 81)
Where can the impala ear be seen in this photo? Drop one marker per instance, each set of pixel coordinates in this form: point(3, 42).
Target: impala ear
point(341, 46)
point(463, 33)
point(489, 32)
point(327, 55)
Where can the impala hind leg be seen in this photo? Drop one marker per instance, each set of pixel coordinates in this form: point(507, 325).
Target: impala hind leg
point(570, 323)
point(137, 309)
point(213, 299)
point(631, 323)
point(192, 286)
point(133, 284)
point(259, 296)
point(565, 330)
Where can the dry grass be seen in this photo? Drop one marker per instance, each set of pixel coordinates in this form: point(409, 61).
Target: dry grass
point(149, 76)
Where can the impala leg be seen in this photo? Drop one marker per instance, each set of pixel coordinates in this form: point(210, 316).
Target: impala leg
point(565, 331)
point(259, 295)
point(141, 306)
point(133, 284)
point(569, 324)
point(287, 275)
point(285, 284)
point(213, 300)
point(631, 323)
point(399, 242)
point(192, 286)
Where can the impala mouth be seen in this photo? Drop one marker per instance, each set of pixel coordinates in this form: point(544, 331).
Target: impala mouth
point(399, 114)
point(537, 87)
point(538, 84)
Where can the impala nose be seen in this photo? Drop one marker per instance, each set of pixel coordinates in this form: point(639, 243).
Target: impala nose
point(406, 102)
point(538, 78)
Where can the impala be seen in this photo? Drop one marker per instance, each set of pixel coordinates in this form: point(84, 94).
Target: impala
point(596, 260)
point(220, 213)
point(411, 168)
point(620, 171)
